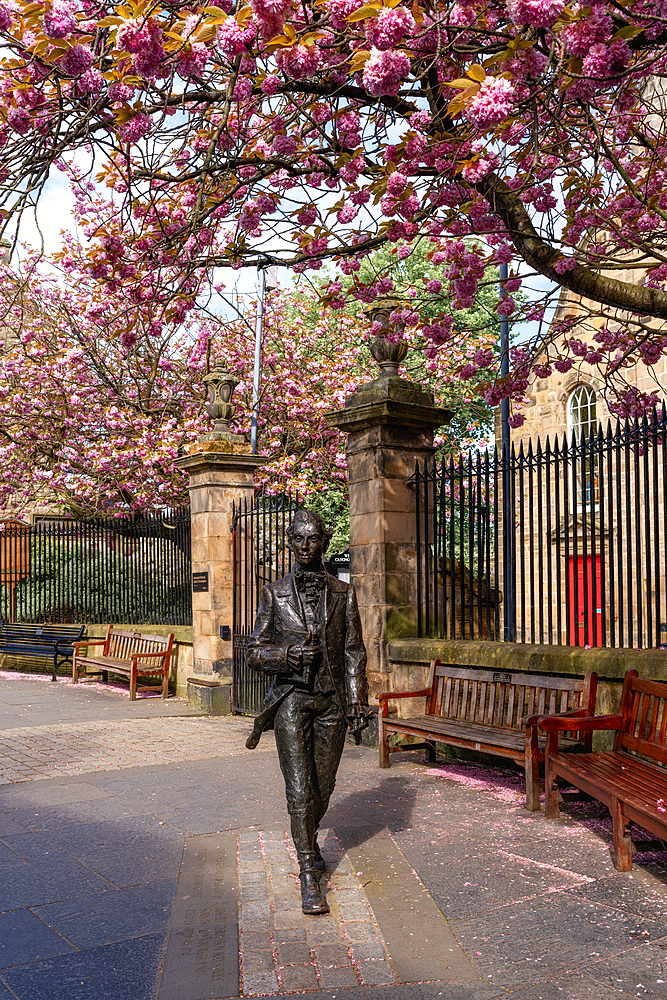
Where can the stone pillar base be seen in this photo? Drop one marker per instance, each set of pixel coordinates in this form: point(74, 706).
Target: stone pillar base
point(212, 697)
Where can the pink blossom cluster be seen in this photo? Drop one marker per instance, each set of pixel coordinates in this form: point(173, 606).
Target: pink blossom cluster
point(136, 128)
point(492, 103)
point(389, 28)
point(300, 61)
point(538, 13)
point(59, 20)
point(77, 60)
point(193, 60)
point(270, 16)
point(385, 71)
point(143, 39)
point(234, 39)
point(590, 29)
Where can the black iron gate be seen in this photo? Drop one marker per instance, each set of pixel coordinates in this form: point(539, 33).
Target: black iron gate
point(261, 555)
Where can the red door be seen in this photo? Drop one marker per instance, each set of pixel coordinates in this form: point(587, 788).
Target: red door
point(585, 608)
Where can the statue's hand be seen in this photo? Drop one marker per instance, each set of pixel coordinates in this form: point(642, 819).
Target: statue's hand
point(357, 719)
point(306, 657)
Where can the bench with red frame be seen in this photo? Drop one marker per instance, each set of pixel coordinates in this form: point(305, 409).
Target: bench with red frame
point(492, 711)
point(135, 655)
point(631, 779)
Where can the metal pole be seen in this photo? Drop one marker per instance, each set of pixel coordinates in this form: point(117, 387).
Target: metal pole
point(504, 362)
point(508, 520)
point(258, 358)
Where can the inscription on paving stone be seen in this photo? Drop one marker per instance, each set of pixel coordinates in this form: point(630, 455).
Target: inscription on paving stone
point(202, 958)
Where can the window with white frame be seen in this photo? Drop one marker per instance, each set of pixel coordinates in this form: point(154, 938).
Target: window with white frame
point(581, 425)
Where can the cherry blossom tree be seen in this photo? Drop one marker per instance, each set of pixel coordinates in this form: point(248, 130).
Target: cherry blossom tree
point(236, 134)
point(100, 393)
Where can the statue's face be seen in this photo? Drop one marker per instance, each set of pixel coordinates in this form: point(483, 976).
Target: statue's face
point(307, 542)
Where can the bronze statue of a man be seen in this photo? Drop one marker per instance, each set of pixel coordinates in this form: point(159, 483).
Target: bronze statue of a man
point(308, 637)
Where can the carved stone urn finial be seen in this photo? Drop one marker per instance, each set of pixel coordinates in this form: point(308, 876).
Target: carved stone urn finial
point(220, 385)
point(387, 353)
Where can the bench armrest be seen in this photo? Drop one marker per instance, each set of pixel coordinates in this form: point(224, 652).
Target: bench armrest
point(76, 646)
point(145, 656)
point(64, 643)
point(390, 695)
point(562, 724)
point(572, 713)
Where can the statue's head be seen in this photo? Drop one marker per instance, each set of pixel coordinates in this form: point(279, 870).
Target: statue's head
point(309, 537)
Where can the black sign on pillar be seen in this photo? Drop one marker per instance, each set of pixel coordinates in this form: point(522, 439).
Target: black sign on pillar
point(200, 583)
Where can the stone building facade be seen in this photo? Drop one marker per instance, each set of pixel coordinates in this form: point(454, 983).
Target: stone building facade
point(587, 565)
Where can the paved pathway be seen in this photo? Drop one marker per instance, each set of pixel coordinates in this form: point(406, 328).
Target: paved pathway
point(144, 854)
point(33, 752)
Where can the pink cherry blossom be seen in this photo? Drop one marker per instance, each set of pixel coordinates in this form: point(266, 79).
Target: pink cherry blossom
point(77, 60)
point(136, 128)
point(389, 28)
point(385, 71)
point(492, 104)
point(299, 62)
point(539, 13)
point(59, 20)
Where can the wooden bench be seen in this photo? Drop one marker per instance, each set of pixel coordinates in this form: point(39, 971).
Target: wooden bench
point(133, 655)
point(492, 711)
point(631, 779)
point(41, 640)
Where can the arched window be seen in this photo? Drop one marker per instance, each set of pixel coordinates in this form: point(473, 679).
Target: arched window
point(581, 413)
point(581, 425)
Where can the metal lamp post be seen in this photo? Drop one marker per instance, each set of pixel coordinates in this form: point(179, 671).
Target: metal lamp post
point(508, 520)
point(259, 330)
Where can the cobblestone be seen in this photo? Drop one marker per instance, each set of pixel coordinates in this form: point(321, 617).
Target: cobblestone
point(340, 978)
point(307, 953)
point(299, 977)
point(376, 973)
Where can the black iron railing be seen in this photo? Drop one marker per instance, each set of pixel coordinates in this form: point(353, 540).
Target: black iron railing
point(261, 555)
point(129, 570)
point(558, 543)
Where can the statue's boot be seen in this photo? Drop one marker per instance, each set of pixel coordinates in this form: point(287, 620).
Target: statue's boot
point(312, 900)
point(319, 862)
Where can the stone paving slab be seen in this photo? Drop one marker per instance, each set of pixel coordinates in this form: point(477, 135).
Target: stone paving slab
point(32, 752)
point(421, 943)
point(281, 950)
point(202, 956)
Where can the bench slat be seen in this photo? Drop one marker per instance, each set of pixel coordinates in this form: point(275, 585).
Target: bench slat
point(509, 716)
point(653, 725)
point(662, 736)
point(645, 701)
point(637, 745)
point(447, 728)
